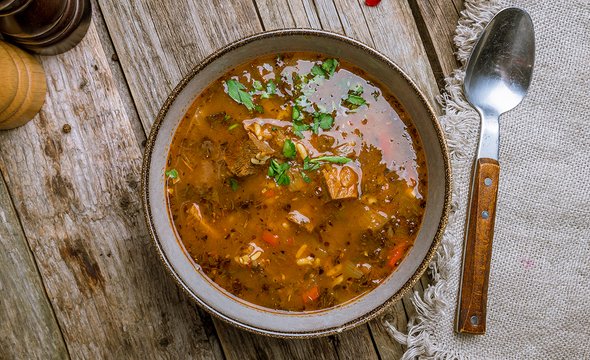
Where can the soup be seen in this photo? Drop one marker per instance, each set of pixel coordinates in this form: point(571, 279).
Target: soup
point(296, 182)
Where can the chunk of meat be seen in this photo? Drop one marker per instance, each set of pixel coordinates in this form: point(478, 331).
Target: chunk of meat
point(342, 182)
point(238, 158)
point(243, 157)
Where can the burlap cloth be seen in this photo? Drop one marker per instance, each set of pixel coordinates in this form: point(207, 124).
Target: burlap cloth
point(539, 290)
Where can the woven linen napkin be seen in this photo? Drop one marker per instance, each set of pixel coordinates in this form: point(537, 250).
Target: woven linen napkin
point(539, 289)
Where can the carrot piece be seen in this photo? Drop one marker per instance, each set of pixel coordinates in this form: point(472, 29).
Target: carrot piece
point(270, 238)
point(311, 295)
point(396, 254)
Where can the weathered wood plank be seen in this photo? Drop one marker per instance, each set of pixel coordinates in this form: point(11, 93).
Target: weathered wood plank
point(355, 344)
point(436, 22)
point(77, 196)
point(241, 345)
point(117, 72)
point(27, 322)
point(395, 34)
point(157, 43)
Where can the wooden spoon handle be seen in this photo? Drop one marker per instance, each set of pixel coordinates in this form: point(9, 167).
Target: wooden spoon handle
point(477, 253)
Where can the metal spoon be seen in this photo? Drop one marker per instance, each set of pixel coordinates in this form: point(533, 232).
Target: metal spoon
point(497, 78)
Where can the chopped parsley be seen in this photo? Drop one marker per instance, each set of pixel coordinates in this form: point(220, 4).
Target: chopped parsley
point(329, 66)
point(259, 109)
point(296, 113)
point(234, 184)
point(326, 69)
point(322, 120)
point(355, 100)
point(306, 178)
point(271, 87)
point(278, 171)
point(310, 166)
point(332, 159)
point(317, 71)
point(298, 129)
point(237, 91)
point(171, 174)
point(354, 97)
point(233, 126)
point(289, 149)
point(257, 85)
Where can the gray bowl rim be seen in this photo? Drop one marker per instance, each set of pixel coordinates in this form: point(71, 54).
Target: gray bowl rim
point(285, 33)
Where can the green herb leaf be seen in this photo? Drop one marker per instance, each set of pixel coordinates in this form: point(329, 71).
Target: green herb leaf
point(318, 71)
point(257, 85)
point(298, 129)
point(355, 100)
point(259, 109)
point(289, 149)
point(171, 174)
point(296, 114)
point(315, 127)
point(322, 120)
point(234, 184)
point(310, 166)
point(305, 177)
point(278, 171)
point(236, 91)
point(233, 126)
point(271, 87)
point(326, 120)
point(329, 66)
point(332, 159)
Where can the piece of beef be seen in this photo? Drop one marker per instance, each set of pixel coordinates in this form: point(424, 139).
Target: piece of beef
point(238, 157)
point(342, 182)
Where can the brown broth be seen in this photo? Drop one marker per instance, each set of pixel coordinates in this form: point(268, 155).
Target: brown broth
point(294, 247)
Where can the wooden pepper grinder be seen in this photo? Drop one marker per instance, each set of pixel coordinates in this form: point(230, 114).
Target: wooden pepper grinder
point(45, 27)
point(22, 86)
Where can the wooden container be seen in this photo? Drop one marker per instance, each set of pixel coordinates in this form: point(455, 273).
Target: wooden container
point(22, 86)
point(46, 27)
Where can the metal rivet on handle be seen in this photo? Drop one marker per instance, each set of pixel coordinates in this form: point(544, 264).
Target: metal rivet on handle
point(487, 181)
point(485, 214)
point(474, 320)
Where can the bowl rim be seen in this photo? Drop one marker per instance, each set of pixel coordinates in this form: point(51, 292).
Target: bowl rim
point(147, 156)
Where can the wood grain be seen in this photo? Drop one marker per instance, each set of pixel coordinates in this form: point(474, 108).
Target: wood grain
point(477, 254)
point(27, 323)
point(167, 41)
point(436, 21)
point(76, 194)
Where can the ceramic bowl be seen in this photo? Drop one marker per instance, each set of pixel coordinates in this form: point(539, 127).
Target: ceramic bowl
point(274, 322)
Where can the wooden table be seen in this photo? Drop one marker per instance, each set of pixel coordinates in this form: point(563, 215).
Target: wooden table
point(78, 275)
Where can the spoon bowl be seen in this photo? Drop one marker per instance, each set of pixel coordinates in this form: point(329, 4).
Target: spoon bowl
point(500, 68)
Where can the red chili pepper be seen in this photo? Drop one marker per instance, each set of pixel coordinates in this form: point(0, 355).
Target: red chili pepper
point(372, 2)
